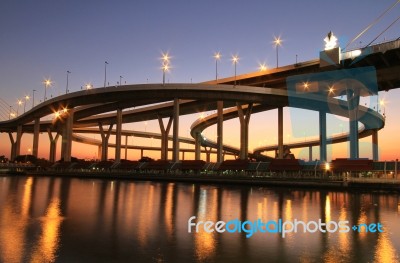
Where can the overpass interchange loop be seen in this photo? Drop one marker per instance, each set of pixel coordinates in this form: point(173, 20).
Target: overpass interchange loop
point(306, 85)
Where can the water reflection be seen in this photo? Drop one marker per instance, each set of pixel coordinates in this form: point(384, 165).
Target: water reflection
point(385, 251)
point(48, 242)
point(205, 243)
point(54, 219)
point(14, 220)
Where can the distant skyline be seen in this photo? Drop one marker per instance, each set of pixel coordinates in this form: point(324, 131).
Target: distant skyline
point(40, 40)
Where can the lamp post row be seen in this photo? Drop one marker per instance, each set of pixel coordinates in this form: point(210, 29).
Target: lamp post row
point(165, 68)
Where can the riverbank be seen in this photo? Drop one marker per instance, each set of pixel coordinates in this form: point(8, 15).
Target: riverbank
point(359, 184)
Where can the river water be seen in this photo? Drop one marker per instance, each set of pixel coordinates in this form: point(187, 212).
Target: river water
point(44, 219)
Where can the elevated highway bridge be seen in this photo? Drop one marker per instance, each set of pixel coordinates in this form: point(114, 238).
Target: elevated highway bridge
point(103, 109)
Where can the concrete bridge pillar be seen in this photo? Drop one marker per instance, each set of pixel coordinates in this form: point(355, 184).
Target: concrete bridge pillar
point(310, 157)
point(104, 141)
point(99, 152)
point(18, 141)
point(126, 147)
point(375, 153)
point(322, 137)
point(197, 146)
point(208, 153)
point(36, 130)
point(53, 145)
point(220, 125)
point(118, 136)
point(175, 139)
point(13, 146)
point(244, 119)
point(280, 133)
point(164, 137)
point(353, 100)
point(66, 145)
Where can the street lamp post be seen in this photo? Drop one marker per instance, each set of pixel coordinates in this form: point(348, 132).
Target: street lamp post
point(235, 60)
point(120, 80)
point(165, 65)
point(19, 103)
point(33, 98)
point(382, 104)
point(66, 89)
point(47, 83)
point(26, 99)
point(105, 73)
point(277, 42)
point(217, 57)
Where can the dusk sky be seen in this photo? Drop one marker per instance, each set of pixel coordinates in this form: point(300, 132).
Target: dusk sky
point(44, 39)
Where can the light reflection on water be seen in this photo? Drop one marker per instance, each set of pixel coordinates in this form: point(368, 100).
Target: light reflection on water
point(46, 219)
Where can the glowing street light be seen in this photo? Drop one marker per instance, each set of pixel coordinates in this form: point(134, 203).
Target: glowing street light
point(165, 64)
point(305, 85)
point(235, 60)
point(382, 103)
point(19, 103)
point(262, 67)
point(165, 58)
point(88, 86)
point(217, 57)
point(47, 83)
point(277, 43)
point(26, 99)
point(164, 69)
point(66, 89)
point(331, 90)
point(327, 167)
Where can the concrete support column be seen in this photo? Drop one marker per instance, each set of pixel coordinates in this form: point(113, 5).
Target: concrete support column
point(66, 145)
point(280, 133)
point(13, 147)
point(220, 121)
point(36, 130)
point(53, 145)
point(141, 153)
point(18, 141)
point(375, 153)
point(104, 141)
point(175, 139)
point(310, 157)
point(118, 136)
point(208, 154)
point(164, 137)
point(244, 130)
point(126, 147)
point(322, 137)
point(197, 146)
point(353, 99)
point(99, 152)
